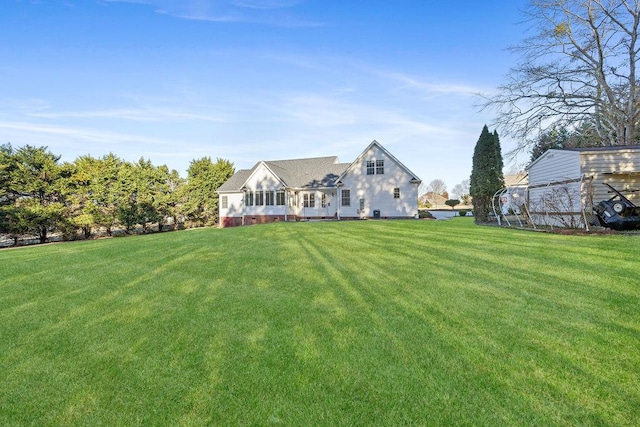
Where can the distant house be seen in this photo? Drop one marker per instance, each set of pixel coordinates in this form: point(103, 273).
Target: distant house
point(564, 185)
point(375, 185)
point(514, 194)
point(432, 199)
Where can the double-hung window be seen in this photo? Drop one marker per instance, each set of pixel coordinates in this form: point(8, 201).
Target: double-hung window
point(225, 202)
point(396, 193)
point(280, 198)
point(259, 198)
point(371, 167)
point(309, 200)
point(346, 198)
point(269, 198)
point(375, 167)
point(248, 198)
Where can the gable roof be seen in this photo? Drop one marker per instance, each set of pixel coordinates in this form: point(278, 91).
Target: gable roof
point(374, 143)
point(317, 172)
point(236, 181)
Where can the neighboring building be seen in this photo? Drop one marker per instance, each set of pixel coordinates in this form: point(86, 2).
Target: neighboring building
point(564, 185)
point(375, 185)
point(433, 200)
point(514, 195)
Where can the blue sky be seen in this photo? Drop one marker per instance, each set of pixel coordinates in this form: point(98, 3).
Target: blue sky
point(249, 80)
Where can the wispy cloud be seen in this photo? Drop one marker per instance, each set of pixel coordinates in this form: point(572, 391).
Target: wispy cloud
point(87, 135)
point(431, 89)
point(266, 4)
point(268, 12)
point(140, 115)
point(23, 106)
point(329, 113)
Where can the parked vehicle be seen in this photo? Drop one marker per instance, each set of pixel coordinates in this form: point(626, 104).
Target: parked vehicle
point(618, 213)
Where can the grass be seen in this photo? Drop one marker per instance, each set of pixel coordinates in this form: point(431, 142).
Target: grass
point(349, 323)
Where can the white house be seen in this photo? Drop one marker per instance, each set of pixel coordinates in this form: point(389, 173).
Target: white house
point(564, 185)
point(375, 185)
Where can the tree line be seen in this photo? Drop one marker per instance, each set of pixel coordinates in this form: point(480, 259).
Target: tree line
point(40, 195)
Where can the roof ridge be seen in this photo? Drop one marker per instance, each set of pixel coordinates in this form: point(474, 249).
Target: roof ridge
point(303, 158)
point(599, 148)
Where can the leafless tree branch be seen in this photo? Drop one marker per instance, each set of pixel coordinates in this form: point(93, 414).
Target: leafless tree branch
point(578, 66)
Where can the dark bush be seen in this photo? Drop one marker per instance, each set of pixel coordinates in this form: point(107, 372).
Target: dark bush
point(422, 214)
point(452, 203)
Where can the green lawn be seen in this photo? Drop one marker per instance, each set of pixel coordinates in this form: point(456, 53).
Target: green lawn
point(345, 323)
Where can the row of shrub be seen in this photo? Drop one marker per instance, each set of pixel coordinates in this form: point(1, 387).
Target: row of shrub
point(40, 195)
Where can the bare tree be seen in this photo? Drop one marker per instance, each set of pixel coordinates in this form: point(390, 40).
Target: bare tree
point(578, 67)
point(559, 206)
point(461, 191)
point(436, 187)
point(434, 193)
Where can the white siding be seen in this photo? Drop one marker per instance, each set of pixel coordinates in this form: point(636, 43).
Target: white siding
point(557, 205)
point(377, 190)
point(317, 211)
point(555, 166)
point(554, 189)
point(262, 179)
point(234, 205)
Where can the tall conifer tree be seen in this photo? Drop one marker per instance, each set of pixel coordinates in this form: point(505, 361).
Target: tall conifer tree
point(486, 173)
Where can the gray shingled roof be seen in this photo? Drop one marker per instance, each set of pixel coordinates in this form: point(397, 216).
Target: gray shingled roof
point(318, 172)
point(236, 181)
point(308, 173)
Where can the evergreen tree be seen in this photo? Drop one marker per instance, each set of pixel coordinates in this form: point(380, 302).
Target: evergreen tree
point(105, 191)
point(38, 180)
point(165, 198)
point(200, 200)
point(7, 164)
point(80, 199)
point(486, 173)
point(10, 219)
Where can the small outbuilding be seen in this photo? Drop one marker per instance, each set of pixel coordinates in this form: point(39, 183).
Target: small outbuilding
point(565, 184)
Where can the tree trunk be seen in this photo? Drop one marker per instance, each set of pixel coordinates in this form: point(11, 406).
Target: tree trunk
point(43, 234)
point(481, 207)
